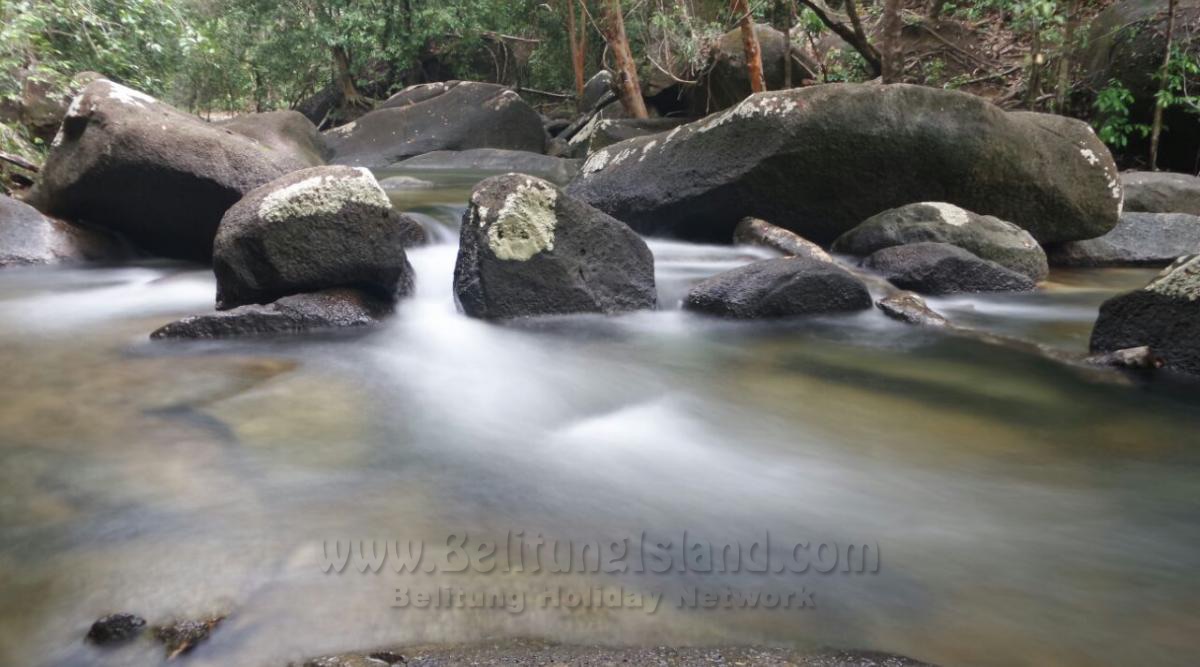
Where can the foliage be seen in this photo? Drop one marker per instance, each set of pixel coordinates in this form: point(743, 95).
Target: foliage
point(1114, 125)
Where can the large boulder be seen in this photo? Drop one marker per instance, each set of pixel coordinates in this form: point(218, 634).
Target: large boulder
point(783, 287)
point(289, 133)
point(1140, 239)
point(1164, 315)
point(822, 159)
point(938, 222)
point(131, 164)
point(310, 230)
point(595, 88)
point(725, 82)
point(557, 169)
point(28, 237)
point(455, 115)
point(1161, 192)
point(604, 132)
point(527, 249)
point(298, 313)
point(941, 268)
point(1126, 43)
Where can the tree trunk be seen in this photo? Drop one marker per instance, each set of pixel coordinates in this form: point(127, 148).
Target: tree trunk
point(893, 67)
point(754, 66)
point(576, 48)
point(1063, 88)
point(628, 87)
point(852, 34)
point(789, 18)
point(345, 79)
point(1033, 87)
point(1156, 127)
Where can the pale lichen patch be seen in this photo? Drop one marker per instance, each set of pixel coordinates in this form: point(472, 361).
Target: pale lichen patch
point(129, 96)
point(525, 223)
point(595, 162)
point(1181, 280)
point(949, 213)
point(322, 194)
point(344, 129)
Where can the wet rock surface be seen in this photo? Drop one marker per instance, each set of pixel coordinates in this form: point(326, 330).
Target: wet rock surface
point(938, 222)
point(116, 629)
point(298, 313)
point(775, 288)
point(314, 229)
point(1164, 316)
point(941, 268)
point(180, 637)
point(1139, 239)
point(526, 249)
point(28, 237)
point(911, 309)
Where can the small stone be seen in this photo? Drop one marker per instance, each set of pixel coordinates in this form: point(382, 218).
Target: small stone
point(183, 636)
point(115, 629)
point(911, 309)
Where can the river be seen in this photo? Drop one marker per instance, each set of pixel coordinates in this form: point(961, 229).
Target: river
point(1023, 511)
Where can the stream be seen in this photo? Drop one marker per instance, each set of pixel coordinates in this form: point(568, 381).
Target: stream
point(1022, 511)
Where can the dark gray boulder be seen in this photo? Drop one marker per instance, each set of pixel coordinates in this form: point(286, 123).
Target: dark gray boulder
point(313, 229)
point(1161, 192)
point(455, 115)
point(911, 309)
point(289, 133)
point(115, 629)
point(528, 249)
point(941, 268)
point(752, 231)
point(820, 160)
point(1164, 315)
point(556, 169)
point(595, 88)
point(604, 132)
point(28, 237)
point(986, 236)
point(774, 288)
point(1140, 239)
point(298, 313)
point(725, 81)
point(128, 163)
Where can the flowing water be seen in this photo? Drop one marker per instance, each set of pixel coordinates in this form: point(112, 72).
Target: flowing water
point(1024, 512)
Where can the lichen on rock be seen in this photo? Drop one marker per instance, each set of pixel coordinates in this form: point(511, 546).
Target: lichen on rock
point(322, 194)
point(524, 225)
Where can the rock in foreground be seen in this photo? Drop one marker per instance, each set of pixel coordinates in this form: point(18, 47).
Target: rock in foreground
point(115, 629)
point(28, 237)
point(126, 162)
point(941, 268)
point(1140, 239)
point(313, 229)
point(454, 115)
point(1164, 315)
point(1161, 192)
point(820, 160)
point(911, 309)
point(937, 222)
point(784, 287)
point(299, 313)
point(528, 249)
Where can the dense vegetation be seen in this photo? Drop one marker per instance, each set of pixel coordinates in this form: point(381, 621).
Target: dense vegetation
point(245, 55)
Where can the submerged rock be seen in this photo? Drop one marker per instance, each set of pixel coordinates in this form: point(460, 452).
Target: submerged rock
point(1140, 239)
point(128, 163)
point(820, 160)
point(911, 309)
point(938, 222)
point(941, 268)
point(526, 248)
point(115, 629)
point(453, 115)
point(289, 133)
point(784, 287)
point(310, 230)
point(28, 237)
point(1136, 358)
point(752, 231)
point(182, 636)
point(559, 170)
point(1161, 192)
point(1164, 316)
point(299, 313)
